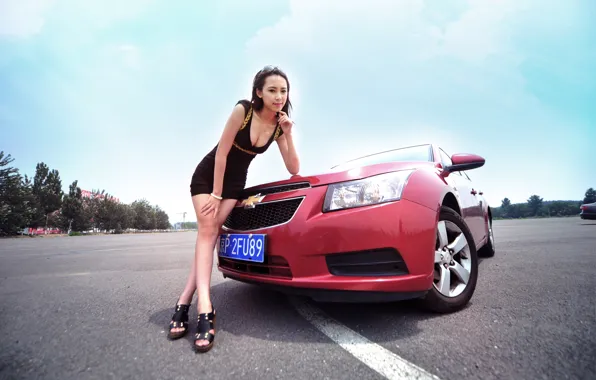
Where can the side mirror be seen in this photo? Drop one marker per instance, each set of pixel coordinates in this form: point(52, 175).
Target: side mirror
point(464, 161)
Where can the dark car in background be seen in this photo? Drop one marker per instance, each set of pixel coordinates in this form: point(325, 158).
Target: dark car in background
point(588, 211)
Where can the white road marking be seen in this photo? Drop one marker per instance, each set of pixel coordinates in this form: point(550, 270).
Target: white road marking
point(381, 360)
point(74, 274)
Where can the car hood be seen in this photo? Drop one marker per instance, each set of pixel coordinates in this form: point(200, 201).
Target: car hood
point(334, 176)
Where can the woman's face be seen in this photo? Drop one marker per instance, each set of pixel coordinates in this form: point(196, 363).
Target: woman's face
point(274, 93)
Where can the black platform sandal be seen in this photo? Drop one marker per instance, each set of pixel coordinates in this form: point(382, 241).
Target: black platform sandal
point(205, 322)
point(179, 319)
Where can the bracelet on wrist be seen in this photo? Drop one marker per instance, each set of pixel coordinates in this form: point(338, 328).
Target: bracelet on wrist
point(216, 196)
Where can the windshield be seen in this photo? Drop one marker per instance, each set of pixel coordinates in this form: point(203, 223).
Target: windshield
point(408, 154)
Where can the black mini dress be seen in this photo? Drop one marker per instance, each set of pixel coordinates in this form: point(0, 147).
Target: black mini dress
point(239, 158)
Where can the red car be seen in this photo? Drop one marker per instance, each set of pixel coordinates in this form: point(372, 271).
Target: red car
point(400, 224)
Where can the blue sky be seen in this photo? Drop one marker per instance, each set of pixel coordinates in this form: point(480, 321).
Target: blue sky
point(128, 96)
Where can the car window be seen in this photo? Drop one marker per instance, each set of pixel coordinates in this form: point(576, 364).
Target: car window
point(420, 153)
point(445, 158)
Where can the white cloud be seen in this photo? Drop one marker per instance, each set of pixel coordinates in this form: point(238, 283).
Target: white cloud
point(99, 13)
point(327, 28)
point(130, 55)
point(22, 18)
point(480, 31)
point(356, 28)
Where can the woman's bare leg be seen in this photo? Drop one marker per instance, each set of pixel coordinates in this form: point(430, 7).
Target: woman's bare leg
point(206, 241)
point(191, 285)
point(209, 228)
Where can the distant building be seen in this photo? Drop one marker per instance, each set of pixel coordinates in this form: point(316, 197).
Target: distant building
point(89, 194)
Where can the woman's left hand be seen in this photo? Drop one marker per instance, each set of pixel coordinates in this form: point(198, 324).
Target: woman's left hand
point(285, 122)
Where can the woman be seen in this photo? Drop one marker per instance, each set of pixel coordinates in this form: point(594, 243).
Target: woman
point(217, 183)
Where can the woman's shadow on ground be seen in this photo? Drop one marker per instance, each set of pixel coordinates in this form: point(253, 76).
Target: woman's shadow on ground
point(256, 312)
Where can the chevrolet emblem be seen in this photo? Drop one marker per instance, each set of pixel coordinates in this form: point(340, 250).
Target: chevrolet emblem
point(250, 201)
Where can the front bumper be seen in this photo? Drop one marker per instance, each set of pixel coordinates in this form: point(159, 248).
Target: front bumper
point(387, 248)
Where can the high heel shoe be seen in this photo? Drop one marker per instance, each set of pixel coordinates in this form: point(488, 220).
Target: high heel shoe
point(205, 322)
point(179, 320)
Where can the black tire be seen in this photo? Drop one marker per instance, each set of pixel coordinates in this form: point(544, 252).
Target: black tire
point(488, 250)
point(435, 301)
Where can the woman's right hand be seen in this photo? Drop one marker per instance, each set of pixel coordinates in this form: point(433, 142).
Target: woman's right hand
point(212, 204)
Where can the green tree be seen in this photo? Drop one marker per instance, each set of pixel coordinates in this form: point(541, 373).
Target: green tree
point(534, 205)
point(590, 196)
point(16, 208)
point(47, 189)
point(53, 193)
point(30, 207)
point(113, 216)
point(556, 208)
point(144, 219)
point(40, 201)
point(517, 210)
point(162, 220)
point(128, 216)
point(93, 207)
point(105, 215)
point(505, 207)
point(41, 173)
point(76, 214)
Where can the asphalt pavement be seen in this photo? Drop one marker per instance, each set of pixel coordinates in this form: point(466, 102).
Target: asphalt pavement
point(97, 307)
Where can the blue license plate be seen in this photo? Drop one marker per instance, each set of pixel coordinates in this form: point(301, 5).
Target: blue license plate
point(246, 247)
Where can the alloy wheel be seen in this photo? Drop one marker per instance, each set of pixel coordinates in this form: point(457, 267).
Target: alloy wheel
point(453, 263)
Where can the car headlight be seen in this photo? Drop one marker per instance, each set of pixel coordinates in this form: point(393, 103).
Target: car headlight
point(368, 191)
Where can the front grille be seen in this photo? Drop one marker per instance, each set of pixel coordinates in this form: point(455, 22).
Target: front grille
point(263, 215)
point(275, 189)
point(274, 266)
point(376, 262)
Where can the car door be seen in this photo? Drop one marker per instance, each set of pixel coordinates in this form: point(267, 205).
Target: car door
point(477, 207)
point(467, 196)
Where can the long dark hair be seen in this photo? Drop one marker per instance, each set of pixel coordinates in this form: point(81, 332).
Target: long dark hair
point(259, 82)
